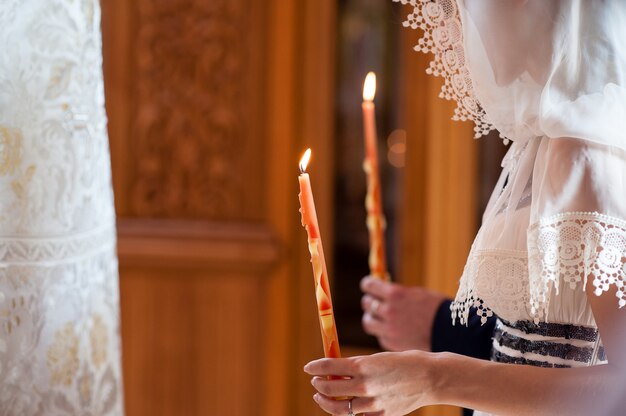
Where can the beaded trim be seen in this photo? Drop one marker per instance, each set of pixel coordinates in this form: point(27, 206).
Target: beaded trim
point(554, 330)
point(499, 357)
point(513, 348)
point(551, 349)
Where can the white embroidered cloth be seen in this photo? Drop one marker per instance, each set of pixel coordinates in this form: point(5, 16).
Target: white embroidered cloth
point(551, 77)
point(59, 319)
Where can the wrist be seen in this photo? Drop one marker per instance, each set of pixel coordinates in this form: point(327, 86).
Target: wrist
point(441, 373)
point(433, 371)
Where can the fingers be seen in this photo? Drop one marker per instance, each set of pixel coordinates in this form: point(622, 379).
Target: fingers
point(331, 367)
point(378, 288)
point(374, 306)
point(372, 325)
point(336, 388)
point(340, 407)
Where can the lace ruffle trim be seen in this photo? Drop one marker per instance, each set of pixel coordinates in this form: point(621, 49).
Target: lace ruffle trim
point(440, 23)
point(566, 249)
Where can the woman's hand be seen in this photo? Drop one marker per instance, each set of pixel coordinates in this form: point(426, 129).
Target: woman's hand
point(401, 317)
point(380, 384)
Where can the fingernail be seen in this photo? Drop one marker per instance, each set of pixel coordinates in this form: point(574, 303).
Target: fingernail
point(312, 383)
point(316, 397)
point(306, 368)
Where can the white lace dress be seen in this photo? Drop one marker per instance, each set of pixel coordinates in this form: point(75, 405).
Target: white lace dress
point(551, 77)
point(59, 318)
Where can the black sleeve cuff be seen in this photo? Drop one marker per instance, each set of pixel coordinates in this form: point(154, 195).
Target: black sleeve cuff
point(473, 340)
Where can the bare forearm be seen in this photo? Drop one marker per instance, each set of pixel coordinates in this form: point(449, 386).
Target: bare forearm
point(507, 389)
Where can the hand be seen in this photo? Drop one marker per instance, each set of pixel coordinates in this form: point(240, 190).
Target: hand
point(400, 317)
point(386, 384)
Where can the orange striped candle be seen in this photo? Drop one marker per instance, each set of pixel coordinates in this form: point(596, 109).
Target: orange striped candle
point(375, 222)
point(320, 275)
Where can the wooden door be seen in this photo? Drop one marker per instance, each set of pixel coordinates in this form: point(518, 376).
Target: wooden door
point(210, 104)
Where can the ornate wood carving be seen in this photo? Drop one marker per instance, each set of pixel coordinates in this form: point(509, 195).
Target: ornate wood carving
point(213, 309)
point(195, 107)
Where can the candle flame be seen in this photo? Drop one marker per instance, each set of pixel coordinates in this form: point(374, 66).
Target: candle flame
point(304, 161)
point(369, 88)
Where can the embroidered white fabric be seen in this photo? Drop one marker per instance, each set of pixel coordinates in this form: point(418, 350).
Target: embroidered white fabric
point(563, 252)
point(59, 341)
point(555, 220)
point(567, 249)
point(442, 35)
point(531, 68)
point(550, 76)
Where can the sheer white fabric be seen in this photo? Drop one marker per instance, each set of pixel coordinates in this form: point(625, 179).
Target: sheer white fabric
point(59, 343)
point(558, 222)
point(529, 68)
point(551, 77)
point(549, 68)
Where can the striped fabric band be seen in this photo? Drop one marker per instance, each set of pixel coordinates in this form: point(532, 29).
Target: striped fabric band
point(503, 358)
point(565, 331)
point(545, 344)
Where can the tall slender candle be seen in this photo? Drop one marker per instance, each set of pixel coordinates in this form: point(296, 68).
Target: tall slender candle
point(376, 222)
point(320, 275)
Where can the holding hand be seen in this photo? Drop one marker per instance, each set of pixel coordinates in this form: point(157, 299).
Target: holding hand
point(400, 317)
point(390, 384)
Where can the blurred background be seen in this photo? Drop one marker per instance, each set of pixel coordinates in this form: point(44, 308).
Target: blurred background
point(211, 104)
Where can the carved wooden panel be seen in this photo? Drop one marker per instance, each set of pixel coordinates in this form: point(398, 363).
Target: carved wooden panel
point(209, 107)
point(196, 113)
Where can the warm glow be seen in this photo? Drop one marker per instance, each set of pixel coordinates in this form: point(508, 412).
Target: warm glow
point(397, 148)
point(369, 89)
point(304, 161)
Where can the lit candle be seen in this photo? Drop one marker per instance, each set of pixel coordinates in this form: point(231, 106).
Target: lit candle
point(320, 275)
point(376, 223)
